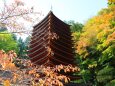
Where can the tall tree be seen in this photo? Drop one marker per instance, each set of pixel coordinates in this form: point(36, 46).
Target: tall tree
point(96, 47)
point(21, 46)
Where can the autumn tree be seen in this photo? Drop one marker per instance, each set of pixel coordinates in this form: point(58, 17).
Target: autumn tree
point(14, 13)
point(96, 47)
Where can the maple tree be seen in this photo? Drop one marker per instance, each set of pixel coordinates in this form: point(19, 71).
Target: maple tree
point(27, 73)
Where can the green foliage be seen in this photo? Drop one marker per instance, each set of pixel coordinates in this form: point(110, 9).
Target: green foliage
point(76, 27)
point(111, 3)
point(111, 83)
point(23, 47)
point(107, 54)
point(106, 74)
point(7, 42)
point(86, 74)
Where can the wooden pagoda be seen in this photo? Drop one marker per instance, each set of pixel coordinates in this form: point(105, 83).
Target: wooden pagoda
point(51, 42)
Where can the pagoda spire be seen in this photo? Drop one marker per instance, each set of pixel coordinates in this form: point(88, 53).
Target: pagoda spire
point(51, 8)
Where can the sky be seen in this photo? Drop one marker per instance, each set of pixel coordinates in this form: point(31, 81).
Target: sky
point(66, 10)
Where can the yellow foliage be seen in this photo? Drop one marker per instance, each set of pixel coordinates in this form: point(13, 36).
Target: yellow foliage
point(111, 38)
point(97, 29)
point(9, 66)
point(111, 0)
point(6, 83)
point(15, 77)
point(92, 66)
point(32, 72)
point(37, 75)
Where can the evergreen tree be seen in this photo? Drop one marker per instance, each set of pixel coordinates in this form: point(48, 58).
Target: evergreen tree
point(23, 47)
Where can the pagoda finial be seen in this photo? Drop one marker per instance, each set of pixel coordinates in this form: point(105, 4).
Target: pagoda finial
point(51, 8)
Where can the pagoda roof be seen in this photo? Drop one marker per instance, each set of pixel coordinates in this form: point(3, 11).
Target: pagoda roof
point(52, 15)
point(51, 42)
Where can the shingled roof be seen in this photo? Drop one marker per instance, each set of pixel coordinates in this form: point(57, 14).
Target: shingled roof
point(51, 42)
